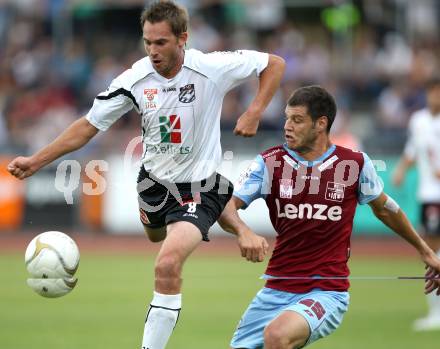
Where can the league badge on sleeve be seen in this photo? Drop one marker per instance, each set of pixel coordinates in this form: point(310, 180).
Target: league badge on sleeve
point(187, 93)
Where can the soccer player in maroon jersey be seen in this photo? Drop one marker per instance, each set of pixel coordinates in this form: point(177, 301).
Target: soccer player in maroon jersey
point(312, 188)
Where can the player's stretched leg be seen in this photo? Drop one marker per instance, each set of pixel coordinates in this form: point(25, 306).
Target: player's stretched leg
point(311, 317)
point(181, 240)
point(284, 320)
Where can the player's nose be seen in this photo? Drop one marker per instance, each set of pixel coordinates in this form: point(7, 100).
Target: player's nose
point(288, 126)
point(153, 51)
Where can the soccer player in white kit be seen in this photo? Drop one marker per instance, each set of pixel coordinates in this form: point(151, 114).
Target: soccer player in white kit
point(178, 94)
point(423, 149)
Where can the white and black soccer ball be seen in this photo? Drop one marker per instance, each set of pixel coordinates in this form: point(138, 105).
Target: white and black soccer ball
point(52, 258)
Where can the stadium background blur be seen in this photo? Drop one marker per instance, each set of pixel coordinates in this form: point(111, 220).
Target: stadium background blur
point(56, 56)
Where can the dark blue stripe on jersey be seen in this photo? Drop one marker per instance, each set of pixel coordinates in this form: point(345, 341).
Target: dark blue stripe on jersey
point(119, 91)
point(196, 71)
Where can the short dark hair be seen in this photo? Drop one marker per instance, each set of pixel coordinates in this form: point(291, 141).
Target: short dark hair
point(433, 82)
point(317, 101)
point(175, 15)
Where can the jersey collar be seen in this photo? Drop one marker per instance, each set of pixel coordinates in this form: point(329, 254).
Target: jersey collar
point(307, 163)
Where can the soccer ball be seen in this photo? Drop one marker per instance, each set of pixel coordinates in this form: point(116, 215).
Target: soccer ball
point(52, 259)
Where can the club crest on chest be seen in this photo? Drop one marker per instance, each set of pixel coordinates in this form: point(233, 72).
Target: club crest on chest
point(187, 93)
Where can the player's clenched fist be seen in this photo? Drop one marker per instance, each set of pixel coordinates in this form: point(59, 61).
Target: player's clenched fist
point(21, 167)
point(247, 125)
point(252, 246)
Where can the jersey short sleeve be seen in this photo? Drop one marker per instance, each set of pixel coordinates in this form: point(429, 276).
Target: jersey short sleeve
point(229, 69)
point(370, 184)
point(111, 104)
point(253, 182)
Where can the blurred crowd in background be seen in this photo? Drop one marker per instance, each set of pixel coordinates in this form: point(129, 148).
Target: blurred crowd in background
point(374, 56)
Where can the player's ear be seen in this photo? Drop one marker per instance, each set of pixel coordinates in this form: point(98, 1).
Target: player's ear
point(182, 39)
point(322, 123)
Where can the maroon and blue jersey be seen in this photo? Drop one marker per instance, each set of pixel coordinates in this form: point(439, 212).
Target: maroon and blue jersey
point(311, 206)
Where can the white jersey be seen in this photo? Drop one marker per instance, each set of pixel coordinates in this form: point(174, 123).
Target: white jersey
point(423, 146)
point(181, 115)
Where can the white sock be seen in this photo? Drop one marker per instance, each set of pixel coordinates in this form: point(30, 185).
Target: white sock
point(434, 301)
point(161, 320)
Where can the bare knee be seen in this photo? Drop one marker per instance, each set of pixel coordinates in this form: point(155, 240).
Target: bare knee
point(275, 338)
point(168, 267)
point(168, 274)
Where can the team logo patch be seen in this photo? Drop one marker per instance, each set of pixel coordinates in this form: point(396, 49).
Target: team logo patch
point(170, 129)
point(187, 93)
point(286, 188)
point(150, 95)
point(308, 312)
point(335, 191)
point(314, 306)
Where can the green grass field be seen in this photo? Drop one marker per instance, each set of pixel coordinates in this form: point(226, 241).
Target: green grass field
point(107, 308)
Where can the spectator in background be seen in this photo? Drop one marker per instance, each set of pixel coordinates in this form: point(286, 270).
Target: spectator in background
point(75, 66)
point(3, 131)
point(394, 58)
point(422, 18)
point(204, 37)
point(291, 46)
point(271, 119)
point(341, 133)
point(29, 49)
point(264, 16)
point(316, 64)
point(105, 69)
point(423, 150)
point(392, 113)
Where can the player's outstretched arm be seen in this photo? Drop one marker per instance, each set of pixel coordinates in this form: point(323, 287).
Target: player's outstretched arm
point(252, 246)
point(388, 211)
point(404, 164)
point(73, 138)
point(269, 82)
